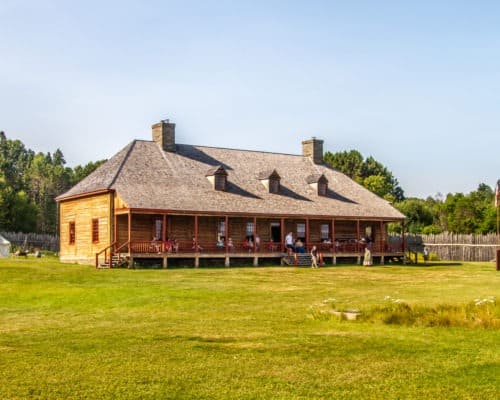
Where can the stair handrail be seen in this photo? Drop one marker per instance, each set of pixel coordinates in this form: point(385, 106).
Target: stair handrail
point(105, 251)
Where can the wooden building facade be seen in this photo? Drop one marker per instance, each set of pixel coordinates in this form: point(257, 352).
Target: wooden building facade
point(174, 203)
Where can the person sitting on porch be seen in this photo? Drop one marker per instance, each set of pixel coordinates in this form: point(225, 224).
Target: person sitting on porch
point(175, 245)
point(168, 245)
point(248, 244)
point(299, 246)
point(230, 244)
point(155, 246)
point(257, 242)
point(196, 246)
point(220, 243)
point(326, 244)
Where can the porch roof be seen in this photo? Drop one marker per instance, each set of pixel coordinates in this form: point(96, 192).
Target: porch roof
point(147, 177)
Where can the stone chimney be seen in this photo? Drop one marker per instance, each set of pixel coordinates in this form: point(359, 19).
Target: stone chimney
point(164, 135)
point(313, 148)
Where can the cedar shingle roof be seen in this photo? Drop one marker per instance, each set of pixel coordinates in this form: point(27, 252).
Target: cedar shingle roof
point(147, 177)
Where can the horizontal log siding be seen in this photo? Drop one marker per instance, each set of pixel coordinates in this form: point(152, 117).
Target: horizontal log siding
point(81, 212)
point(180, 228)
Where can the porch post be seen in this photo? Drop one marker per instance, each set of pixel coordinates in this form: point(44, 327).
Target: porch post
point(226, 222)
point(115, 229)
point(256, 257)
point(306, 244)
point(129, 233)
point(282, 243)
point(227, 261)
point(164, 228)
point(334, 248)
point(254, 234)
point(403, 246)
point(357, 234)
point(196, 258)
point(382, 236)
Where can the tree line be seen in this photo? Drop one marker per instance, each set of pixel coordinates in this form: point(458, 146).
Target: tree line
point(456, 212)
point(30, 182)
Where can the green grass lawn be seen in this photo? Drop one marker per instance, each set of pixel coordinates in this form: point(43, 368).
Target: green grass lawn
point(72, 332)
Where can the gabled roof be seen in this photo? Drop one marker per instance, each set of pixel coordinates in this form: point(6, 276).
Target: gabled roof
point(217, 170)
point(147, 177)
point(269, 174)
point(316, 178)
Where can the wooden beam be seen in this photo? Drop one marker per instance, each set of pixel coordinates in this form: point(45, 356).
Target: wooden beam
point(196, 233)
point(226, 222)
point(254, 234)
point(307, 234)
point(282, 244)
point(164, 228)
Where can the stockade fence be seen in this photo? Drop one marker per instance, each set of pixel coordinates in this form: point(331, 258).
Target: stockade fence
point(455, 247)
point(31, 241)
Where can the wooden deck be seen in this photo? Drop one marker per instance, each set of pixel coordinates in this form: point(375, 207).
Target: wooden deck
point(235, 258)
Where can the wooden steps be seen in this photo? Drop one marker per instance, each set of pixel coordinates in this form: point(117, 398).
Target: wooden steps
point(298, 259)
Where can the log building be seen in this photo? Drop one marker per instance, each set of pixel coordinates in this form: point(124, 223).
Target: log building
point(181, 204)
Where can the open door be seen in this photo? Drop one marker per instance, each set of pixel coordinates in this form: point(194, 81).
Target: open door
point(276, 232)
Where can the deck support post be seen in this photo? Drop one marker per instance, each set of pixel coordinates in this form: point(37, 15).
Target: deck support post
point(131, 262)
point(165, 261)
point(334, 261)
point(227, 262)
point(359, 260)
point(282, 243)
point(306, 244)
point(196, 261)
point(129, 231)
point(382, 260)
point(256, 261)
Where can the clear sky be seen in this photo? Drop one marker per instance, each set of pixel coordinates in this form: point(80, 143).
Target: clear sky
point(415, 84)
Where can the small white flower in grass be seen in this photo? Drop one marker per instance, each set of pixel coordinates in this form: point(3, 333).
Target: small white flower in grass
point(330, 300)
point(489, 299)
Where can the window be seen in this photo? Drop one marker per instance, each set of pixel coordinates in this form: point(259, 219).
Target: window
point(220, 182)
point(72, 232)
point(250, 229)
point(95, 230)
point(325, 231)
point(274, 185)
point(158, 229)
point(322, 188)
point(221, 229)
point(301, 231)
point(217, 176)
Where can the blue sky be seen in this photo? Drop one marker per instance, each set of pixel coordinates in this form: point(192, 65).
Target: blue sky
point(416, 85)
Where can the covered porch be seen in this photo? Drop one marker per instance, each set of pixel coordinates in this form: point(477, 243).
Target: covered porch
point(197, 239)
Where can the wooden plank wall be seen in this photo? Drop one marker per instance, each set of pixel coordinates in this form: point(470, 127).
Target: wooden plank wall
point(81, 212)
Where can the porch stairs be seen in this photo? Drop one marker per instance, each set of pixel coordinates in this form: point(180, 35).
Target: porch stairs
point(297, 259)
point(116, 261)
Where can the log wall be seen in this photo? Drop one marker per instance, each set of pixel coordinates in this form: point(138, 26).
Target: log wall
point(82, 211)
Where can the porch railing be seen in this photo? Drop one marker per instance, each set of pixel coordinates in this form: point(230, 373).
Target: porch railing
point(188, 247)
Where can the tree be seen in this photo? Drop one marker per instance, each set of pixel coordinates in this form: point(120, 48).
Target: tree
point(368, 172)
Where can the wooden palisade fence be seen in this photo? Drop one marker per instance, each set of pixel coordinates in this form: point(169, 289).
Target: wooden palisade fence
point(456, 247)
point(31, 241)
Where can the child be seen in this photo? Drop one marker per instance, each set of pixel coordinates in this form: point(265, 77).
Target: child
point(314, 257)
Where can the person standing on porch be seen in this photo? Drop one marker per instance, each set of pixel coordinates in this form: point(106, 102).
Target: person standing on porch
point(314, 257)
point(289, 243)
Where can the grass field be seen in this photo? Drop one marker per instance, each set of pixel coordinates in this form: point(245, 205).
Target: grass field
point(71, 332)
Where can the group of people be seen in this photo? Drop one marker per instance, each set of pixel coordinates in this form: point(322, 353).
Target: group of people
point(171, 245)
point(297, 246)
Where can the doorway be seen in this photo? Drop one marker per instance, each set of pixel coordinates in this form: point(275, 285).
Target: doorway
point(276, 232)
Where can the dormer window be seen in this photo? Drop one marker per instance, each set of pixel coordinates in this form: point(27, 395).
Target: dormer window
point(319, 183)
point(217, 176)
point(271, 180)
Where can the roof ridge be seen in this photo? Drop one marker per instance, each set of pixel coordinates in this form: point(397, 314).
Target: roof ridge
point(119, 169)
